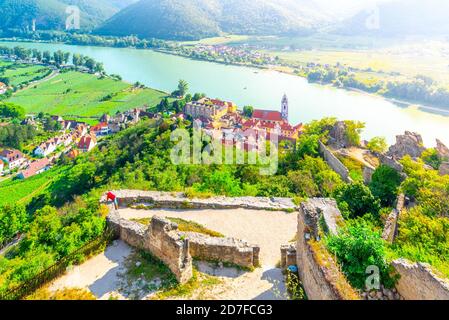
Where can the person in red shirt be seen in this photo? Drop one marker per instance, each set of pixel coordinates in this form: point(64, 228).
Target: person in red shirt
point(112, 197)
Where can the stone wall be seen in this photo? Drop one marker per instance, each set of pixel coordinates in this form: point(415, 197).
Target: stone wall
point(288, 256)
point(391, 225)
point(178, 200)
point(419, 282)
point(334, 163)
point(229, 250)
point(163, 239)
point(319, 273)
point(160, 239)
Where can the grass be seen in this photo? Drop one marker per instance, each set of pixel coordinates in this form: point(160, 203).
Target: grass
point(22, 191)
point(199, 285)
point(80, 95)
point(23, 73)
point(186, 226)
point(62, 294)
point(354, 166)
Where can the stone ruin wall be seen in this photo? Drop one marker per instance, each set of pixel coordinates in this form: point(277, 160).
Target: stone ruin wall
point(391, 225)
point(178, 200)
point(230, 250)
point(419, 282)
point(321, 282)
point(160, 239)
point(334, 163)
point(176, 248)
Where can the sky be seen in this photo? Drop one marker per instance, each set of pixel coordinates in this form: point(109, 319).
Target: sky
point(345, 6)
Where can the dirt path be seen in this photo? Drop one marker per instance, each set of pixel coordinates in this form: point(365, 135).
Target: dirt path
point(268, 229)
point(99, 275)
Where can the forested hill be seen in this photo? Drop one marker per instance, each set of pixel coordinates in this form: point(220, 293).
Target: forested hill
point(51, 14)
point(192, 19)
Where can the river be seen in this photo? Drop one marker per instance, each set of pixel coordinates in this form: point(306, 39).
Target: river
point(264, 89)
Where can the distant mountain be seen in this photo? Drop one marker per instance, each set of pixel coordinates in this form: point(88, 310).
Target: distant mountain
point(192, 19)
point(51, 14)
point(400, 18)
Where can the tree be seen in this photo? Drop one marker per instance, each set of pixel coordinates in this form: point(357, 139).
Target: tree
point(90, 64)
point(183, 87)
point(377, 145)
point(10, 110)
point(248, 111)
point(46, 56)
point(99, 68)
point(198, 96)
point(385, 184)
point(353, 132)
point(356, 200)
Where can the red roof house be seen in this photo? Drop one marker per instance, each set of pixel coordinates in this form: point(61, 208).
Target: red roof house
point(35, 168)
point(267, 116)
point(87, 143)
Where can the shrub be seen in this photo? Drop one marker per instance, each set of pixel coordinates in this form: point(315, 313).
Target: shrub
point(356, 200)
point(356, 248)
point(377, 144)
point(385, 184)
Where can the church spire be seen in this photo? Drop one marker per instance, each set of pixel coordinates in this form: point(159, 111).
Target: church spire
point(284, 107)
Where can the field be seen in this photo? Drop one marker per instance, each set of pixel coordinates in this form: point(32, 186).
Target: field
point(79, 95)
point(22, 191)
point(23, 73)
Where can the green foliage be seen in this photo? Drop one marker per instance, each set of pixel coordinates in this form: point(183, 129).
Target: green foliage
point(51, 235)
point(356, 200)
point(356, 248)
point(353, 132)
point(377, 145)
point(10, 110)
point(248, 111)
point(385, 184)
point(432, 158)
point(427, 187)
point(16, 135)
point(13, 219)
point(424, 239)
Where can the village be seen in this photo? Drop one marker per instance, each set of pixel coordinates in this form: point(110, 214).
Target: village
point(72, 139)
point(75, 137)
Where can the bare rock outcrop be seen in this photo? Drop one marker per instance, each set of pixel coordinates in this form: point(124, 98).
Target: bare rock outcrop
point(337, 135)
point(410, 143)
point(444, 169)
point(442, 150)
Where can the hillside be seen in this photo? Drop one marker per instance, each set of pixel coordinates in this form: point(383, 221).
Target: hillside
point(400, 18)
point(51, 14)
point(193, 19)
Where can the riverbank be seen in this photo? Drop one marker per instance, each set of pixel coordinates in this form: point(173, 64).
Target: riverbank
point(278, 68)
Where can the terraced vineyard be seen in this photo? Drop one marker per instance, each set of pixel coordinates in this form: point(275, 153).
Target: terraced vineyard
point(80, 95)
point(23, 73)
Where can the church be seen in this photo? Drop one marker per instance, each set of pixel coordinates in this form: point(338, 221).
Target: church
point(274, 117)
point(274, 122)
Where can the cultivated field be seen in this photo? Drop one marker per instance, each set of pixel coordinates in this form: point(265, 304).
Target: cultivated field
point(22, 191)
point(75, 94)
point(22, 73)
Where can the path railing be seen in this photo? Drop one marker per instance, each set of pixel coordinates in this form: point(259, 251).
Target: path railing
point(58, 269)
